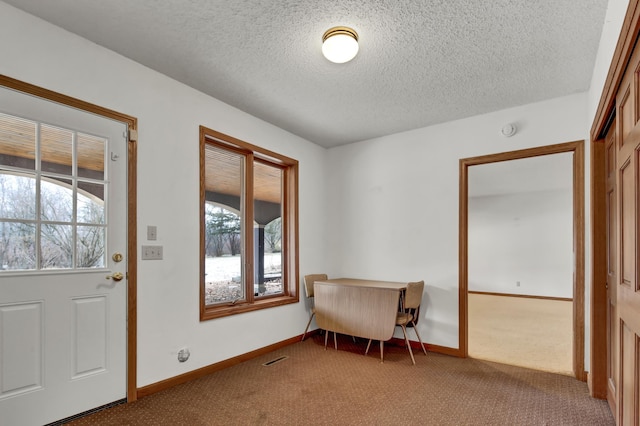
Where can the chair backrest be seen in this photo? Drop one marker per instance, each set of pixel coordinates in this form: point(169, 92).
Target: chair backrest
point(413, 295)
point(310, 279)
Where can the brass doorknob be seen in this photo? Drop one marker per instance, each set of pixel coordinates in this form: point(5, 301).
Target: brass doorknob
point(117, 276)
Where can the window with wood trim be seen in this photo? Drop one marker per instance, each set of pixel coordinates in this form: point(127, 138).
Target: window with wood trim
point(248, 227)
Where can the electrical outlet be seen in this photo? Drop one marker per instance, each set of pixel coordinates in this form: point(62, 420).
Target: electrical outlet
point(151, 252)
point(184, 354)
point(517, 283)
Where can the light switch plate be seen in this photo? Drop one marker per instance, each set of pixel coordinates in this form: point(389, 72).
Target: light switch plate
point(151, 252)
point(152, 233)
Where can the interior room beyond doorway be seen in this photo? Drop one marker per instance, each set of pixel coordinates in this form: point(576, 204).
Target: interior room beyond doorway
point(526, 332)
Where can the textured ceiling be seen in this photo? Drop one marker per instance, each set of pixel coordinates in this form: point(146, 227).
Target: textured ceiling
point(420, 62)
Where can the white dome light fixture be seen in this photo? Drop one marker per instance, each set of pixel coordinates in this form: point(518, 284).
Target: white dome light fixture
point(340, 44)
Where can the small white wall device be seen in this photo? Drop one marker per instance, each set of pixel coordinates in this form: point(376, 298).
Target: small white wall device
point(508, 130)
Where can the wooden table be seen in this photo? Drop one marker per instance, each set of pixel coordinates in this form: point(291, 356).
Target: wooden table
point(355, 307)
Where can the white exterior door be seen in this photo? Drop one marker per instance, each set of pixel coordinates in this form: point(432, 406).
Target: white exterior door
point(63, 228)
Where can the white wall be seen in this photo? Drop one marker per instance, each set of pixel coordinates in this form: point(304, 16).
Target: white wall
point(522, 243)
point(168, 115)
point(613, 20)
point(394, 199)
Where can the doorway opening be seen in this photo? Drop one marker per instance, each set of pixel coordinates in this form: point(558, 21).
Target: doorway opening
point(572, 270)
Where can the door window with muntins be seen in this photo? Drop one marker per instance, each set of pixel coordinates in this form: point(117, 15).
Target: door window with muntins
point(52, 203)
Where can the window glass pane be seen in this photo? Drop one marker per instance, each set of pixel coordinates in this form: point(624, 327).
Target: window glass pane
point(91, 156)
point(56, 200)
point(267, 211)
point(224, 279)
point(56, 147)
point(17, 197)
point(90, 247)
point(273, 256)
point(17, 142)
point(90, 204)
point(66, 232)
point(17, 245)
point(56, 243)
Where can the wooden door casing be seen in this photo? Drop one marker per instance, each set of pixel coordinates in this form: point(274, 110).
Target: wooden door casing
point(577, 149)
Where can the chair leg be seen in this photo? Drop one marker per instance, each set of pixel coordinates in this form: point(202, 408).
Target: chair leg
point(307, 327)
point(381, 351)
point(406, 339)
point(419, 339)
point(326, 335)
point(367, 351)
point(335, 340)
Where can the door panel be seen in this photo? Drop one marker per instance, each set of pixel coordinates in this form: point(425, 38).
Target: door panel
point(89, 339)
point(612, 267)
point(627, 294)
point(627, 214)
point(62, 315)
point(22, 349)
point(628, 349)
point(626, 112)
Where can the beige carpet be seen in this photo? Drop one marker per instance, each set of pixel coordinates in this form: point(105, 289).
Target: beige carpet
point(533, 333)
point(317, 387)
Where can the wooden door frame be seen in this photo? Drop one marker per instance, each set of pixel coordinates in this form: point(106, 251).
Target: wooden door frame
point(603, 116)
point(577, 148)
point(132, 258)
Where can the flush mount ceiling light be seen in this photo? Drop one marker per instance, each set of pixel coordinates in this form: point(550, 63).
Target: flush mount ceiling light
point(340, 44)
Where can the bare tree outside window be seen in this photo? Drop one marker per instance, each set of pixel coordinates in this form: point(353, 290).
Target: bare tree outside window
point(17, 201)
point(273, 235)
point(19, 225)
